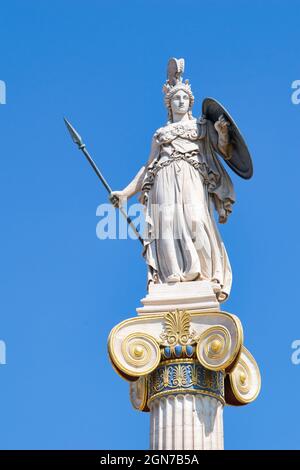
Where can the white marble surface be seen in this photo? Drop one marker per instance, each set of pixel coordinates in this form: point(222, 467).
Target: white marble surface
point(191, 296)
point(186, 422)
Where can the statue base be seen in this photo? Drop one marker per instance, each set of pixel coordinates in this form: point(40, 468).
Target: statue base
point(191, 296)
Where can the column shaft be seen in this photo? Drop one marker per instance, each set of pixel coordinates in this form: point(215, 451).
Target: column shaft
point(186, 422)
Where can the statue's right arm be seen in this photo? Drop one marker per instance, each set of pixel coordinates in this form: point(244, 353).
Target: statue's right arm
point(135, 185)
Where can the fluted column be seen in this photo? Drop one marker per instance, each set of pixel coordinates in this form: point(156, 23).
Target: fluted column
point(186, 405)
point(186, 422)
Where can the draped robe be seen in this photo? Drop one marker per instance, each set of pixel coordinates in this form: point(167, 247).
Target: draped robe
point(183, 185)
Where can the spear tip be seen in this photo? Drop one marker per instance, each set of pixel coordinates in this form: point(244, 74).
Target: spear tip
point(73, 133)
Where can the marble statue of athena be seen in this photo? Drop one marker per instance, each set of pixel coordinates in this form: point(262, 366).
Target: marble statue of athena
point(184, 357)
point(181, 185)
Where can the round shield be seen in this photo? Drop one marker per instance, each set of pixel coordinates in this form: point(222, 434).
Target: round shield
point(240, 160)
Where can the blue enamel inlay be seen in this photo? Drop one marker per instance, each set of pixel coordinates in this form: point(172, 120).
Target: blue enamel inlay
point(194, 377)
point(167, 351)
point(178, 350)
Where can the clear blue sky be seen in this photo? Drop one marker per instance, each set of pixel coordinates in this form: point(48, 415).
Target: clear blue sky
point(103, 64)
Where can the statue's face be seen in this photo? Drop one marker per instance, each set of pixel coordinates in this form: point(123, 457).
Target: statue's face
point(180, 102)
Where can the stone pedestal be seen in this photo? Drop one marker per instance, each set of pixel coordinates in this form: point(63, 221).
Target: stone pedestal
point(191, 296)
point(184, 359)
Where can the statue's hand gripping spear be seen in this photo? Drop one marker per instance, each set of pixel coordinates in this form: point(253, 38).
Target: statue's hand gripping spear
point(78, 141)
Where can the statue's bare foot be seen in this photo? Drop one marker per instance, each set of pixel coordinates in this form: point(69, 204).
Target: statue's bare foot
point(191, 276)
point(173, 278)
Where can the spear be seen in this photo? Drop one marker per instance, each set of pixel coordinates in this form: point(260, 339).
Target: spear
point(78, 141)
